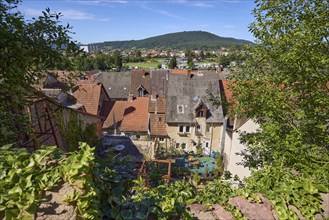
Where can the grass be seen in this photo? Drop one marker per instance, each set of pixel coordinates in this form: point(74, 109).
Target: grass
point(143, 65)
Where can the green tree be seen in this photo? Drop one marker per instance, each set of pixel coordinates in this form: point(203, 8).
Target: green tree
point(138, 53)
point(189, 54)
point(283, 86)
point(117, 59)
point(202, 56)
point(27, 50)
point(172, 63)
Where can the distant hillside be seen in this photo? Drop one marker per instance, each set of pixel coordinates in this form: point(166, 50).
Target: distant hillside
point(181, 41)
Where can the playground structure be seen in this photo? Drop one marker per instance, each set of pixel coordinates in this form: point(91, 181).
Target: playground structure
point(162, 169)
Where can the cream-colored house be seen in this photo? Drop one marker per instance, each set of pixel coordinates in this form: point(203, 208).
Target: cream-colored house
point(233, 147)
point(192, 121)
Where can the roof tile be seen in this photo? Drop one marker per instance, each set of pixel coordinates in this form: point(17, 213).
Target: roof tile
point(135, 117)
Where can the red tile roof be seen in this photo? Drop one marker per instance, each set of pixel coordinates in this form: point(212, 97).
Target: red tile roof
point(88, 94)
point(227, 90)
point(158, 125)
point(160, 107)
point(179, 71)
point(116, 114)
point(135, 117)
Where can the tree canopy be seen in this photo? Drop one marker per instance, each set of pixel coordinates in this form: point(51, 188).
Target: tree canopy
point(283, 86)
point(27, 50)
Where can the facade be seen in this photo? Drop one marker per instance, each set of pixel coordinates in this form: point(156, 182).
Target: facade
point(231, 147)
point(193, 123)
point(43, 113)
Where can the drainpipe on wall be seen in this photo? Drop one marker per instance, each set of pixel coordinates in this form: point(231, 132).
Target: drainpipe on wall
point(212, 133)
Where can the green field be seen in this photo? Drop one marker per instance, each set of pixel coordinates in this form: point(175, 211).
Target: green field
point(143, 65)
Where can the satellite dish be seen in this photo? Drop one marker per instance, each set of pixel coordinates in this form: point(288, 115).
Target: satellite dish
point(119, 147)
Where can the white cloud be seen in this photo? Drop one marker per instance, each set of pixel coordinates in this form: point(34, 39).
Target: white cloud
point(202, 5)
point(202, 25)
point(98, 2)
point(70, 14)
point(104, 19)
point(67, 13)
point(76, 15)
point(233, 1)
point(229, 26)
point(160, 11)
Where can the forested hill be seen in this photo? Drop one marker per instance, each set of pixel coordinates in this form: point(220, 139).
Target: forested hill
point(181, 40)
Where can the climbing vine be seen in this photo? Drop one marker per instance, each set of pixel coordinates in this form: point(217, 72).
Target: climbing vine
point(74, 130)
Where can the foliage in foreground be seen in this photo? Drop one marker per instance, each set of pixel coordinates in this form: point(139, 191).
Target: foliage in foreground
point(24, 177)
point(103, 194)
point(29, 48)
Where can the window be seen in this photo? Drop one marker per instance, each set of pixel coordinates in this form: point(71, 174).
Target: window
point(208, 128)
point(159, 119)
point(183, 146)
point(177, 145)
point(161, 138)
point(200, 114)
point(184, 128)
point(180, 109)
point(198, 129)
point(141, 92)
point(187, 128)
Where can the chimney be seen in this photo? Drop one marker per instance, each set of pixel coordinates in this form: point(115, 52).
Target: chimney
point(188, 74)
point(130, 97)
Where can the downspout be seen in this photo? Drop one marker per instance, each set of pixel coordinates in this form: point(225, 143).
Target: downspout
point(212, 133)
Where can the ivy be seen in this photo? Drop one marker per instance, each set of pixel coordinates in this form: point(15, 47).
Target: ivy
point(24, 177)
point(73, 130)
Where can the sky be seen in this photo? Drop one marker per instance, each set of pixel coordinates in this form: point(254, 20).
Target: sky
point(110, 20)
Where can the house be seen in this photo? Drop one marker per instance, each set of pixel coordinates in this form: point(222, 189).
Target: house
point(63, 98)
point(60, 79)
point(192, 121)
point(94, 98)
point(113, 121)
point(46, 116)
point(140, 83)
point(159, 81)
point(157, 120)
point(135, 118)
point(233, 127)
point(117, 84)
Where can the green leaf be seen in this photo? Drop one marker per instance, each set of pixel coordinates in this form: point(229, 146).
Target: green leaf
point(6, 147)
point(11, 214)
point(126, 214)
point(141, 215)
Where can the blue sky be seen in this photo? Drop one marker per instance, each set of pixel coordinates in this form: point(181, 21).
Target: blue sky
point(107, 20)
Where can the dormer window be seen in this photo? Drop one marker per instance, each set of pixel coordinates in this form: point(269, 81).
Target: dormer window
point(201, 110)
point(141, 91)
point(180, 109)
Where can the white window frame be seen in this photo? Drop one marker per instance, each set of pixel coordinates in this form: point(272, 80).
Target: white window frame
point(178, 109)
point(198, 130)
point(184, 128)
